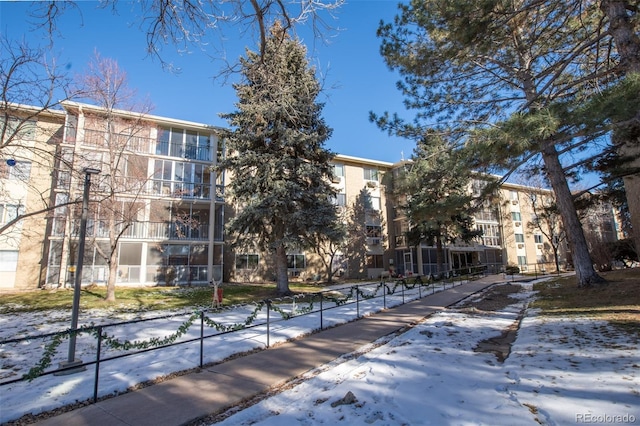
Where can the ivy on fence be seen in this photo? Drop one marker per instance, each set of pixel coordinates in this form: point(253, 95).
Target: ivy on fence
point(117, 344)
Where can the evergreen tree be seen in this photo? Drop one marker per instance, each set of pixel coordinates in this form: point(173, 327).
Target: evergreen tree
point(624, 26)
point(438, 204)
point(515, 68)
point(276, 155)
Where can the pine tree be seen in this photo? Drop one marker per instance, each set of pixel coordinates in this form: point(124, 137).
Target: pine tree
point(276, 155)
point(438, 204)
point(515, 67)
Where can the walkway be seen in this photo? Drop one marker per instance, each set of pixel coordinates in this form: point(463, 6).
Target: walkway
point(186, 398)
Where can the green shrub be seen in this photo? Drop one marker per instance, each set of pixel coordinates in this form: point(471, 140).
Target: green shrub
point(512, 269)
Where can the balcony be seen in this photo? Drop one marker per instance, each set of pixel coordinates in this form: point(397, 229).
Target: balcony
point(144, 230)
point(100, 139)
point(179, 189)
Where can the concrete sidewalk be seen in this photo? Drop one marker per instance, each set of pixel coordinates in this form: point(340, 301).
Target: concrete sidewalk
point(186, 398)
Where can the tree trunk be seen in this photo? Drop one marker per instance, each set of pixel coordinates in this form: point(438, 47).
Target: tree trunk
point(282, 276)
point(111, 281)
point(556, 258)
point(112, 261)
point(627, 43)
point(439, 255)
point(585, 274)
point(330, 269)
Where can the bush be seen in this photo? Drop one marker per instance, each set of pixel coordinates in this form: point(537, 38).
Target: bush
point(512, 269)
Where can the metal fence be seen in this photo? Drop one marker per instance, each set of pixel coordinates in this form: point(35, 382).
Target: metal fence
point(204, 325)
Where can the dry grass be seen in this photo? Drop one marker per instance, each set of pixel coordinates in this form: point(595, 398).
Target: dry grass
point(617, 301)
point(135, 299)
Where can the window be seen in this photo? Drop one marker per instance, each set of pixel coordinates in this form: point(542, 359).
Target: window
point(130, 254)
point(374, 261)
point(197, 146)
point(477, 186)
point(487, 214)
point(175, 143)
point(296, 261)
point(339, 200)
point(181, 179)
point(522, 260)
point(372, 203)
point(519, 238)
point(20, 129)
point(8, 260)
point(371, 174)
point(490, 234)
point(513, 195)
point(516, 216)
point(537, 238)
point(374, 231)
point(162, 145)
point(182, 143)
point(8, 212)
point(246, 261)
point(20, 171)
point(338, 170)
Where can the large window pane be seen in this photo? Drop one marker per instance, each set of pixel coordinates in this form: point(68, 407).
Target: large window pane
point(371, 174)
point(204, 148)
point(191, 145)
point(162, 145)
point(130, 254)
point(8, 260)
point(199, 254)
point(176, 148)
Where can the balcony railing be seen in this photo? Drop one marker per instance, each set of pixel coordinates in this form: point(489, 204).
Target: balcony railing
point(158, 187)
point(102, 139)
point(189, 152)
point(179, 189)
point(141, 144)
point(144, 230)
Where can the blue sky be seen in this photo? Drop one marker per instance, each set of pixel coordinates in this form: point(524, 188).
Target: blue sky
point(355, 78)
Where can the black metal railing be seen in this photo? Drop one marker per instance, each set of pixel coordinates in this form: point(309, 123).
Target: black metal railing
point(200, 326)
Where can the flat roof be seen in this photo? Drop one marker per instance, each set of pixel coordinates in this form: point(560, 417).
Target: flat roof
point(351, 159)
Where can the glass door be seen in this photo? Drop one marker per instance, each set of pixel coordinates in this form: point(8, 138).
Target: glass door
point(408, 263)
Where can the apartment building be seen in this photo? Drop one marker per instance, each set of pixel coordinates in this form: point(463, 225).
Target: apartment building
point(29, 143)
point(511, 235)
point(156, 191)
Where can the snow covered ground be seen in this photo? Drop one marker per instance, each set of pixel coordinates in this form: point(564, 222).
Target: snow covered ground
point(560, 371)
point(50, 392)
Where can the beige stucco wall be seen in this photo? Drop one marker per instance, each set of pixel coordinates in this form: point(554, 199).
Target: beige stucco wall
point(29, 234)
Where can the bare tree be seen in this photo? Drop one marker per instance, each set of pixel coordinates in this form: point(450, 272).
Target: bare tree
point(330, 246)
point(364, 225)
point(31, 87)
point(196, 23)
point(113, 133)
point(546, 218)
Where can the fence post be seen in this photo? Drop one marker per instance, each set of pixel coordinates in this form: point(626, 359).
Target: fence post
point(268, 303)
point(97, 373)
point(357, 302)
point(384, 296)
point(321, 311)
point(404, 285)
point(201, 338)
